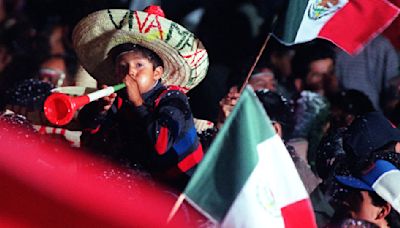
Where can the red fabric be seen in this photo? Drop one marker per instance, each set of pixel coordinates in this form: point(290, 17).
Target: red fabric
point(119, 102)
point(94, 131)
point(350, 30)
point(191, 160)
point(299, 214)
point(393, 33)
point(45, 185)
point(162, 141)
point(169, 88)
point(152, 9)
point(42, 130)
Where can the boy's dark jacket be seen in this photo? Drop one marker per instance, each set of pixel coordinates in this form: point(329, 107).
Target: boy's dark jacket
point(159, 135)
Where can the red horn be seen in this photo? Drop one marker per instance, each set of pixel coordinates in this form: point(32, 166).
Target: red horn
point(60, 108)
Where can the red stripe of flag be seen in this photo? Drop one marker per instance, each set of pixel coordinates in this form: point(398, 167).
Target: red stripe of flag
point(299, 214)
point(350, 30)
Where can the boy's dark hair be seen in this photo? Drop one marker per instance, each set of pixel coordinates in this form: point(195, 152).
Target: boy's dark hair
point(353, 203)
point(352, 102)
point(348, 102)
point(309, 52)
point(278, 109)
point(147, 53)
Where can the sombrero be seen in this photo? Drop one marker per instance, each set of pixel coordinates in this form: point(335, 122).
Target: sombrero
point(184, 56)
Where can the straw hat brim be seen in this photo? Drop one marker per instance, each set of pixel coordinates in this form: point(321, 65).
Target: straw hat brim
point(184, 56)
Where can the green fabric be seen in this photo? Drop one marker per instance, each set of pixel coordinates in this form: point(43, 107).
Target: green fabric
point(289, 21)
point(230, 159)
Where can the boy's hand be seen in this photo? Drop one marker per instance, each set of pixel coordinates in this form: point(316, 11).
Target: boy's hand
point(108, 101)
point(133, 91)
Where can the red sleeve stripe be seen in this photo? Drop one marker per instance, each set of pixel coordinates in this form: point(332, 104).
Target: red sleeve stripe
point(94, 131)
point(191, 160)
point(162, 141)
point(119, 102)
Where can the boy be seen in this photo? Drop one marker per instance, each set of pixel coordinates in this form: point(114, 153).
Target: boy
point(150, 124)
point(370, 194)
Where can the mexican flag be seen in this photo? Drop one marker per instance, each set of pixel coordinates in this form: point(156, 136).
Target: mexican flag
point(350, 24)
point(247, 178)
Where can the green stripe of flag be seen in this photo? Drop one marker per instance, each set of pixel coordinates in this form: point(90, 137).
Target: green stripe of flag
point(230, 159)
point(289, 21)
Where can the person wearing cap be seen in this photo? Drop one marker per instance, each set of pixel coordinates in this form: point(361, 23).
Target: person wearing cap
point(150, 123)
point(371, 195)
point(369, 135)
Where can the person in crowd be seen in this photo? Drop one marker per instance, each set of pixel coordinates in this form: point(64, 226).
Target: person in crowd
point(374, 66)
point(52, 39)
point(150, 122)
point(280, 112)
point(59, 70)
point(279, 59)
point(369, 137)
point(16, 33)
point(346, 105)
point(362, 195)
point(314, 68)
point(265, 79)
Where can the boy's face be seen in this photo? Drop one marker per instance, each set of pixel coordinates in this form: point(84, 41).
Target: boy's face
point(135, 65)
point(369, 212)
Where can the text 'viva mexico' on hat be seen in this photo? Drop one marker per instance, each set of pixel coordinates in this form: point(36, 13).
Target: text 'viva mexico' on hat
point(184, 56)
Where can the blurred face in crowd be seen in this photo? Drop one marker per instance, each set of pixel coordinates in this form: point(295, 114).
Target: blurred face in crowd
point(340, 118)
point(263, 80)
point(56, 41)
point(283, 63)
point(371, 213)
point(321, 77)
point(53, 71)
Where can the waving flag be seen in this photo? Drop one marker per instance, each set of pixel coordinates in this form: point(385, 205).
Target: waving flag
point(43, 184)
point(247, 178)
point(350, 24)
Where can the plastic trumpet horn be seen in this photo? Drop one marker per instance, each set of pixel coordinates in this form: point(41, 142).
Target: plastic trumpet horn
point(60, 108)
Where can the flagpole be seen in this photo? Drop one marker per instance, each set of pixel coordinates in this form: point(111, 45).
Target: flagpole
point(177, 205)
point(255, 62)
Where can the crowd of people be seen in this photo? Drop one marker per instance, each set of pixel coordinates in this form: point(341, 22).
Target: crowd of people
point(336, 113)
